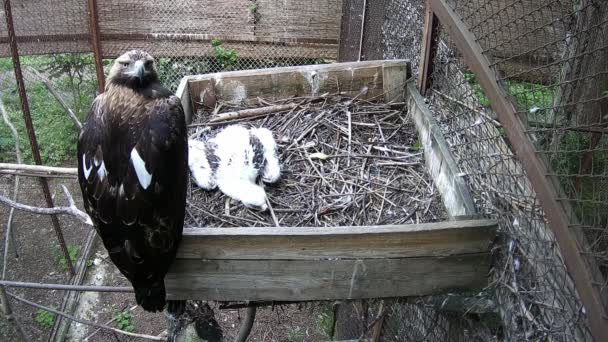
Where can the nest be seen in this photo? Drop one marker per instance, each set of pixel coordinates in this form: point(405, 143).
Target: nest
point(345, 162)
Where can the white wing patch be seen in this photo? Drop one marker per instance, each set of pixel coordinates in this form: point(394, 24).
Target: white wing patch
point(144, 177)
point(86, 171)
point(102, 172)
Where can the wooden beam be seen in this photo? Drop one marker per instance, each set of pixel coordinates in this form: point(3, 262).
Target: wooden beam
point(311, 243)
point(262, 264)
point(232, 280)
point(439, 161)
point(363, 79)
point(429, 48)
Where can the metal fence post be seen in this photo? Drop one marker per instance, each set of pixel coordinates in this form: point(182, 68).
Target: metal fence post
point(96, 43)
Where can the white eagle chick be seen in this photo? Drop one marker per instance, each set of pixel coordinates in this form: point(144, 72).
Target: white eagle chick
point(233, 160)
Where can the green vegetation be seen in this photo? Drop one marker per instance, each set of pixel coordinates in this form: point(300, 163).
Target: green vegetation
point(73, 76)
point(44, 318)
point(124, 321)
point(60, 259)
point(253, 8)
point(527, 96)
point(227, 58)
point(296, 334)
point(325, 321)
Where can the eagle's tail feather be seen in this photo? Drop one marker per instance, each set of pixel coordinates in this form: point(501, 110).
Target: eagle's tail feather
point(151, 297)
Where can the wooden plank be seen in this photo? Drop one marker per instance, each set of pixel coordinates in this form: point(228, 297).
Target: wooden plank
point(237, 280)
point(439, 161)
point(429, 48)
point(394, 77)
point(364, 79)
point(311, 243)
point(350, 30)
point(318, 263)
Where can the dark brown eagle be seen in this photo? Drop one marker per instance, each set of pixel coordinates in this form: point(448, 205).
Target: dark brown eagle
point(132, 169)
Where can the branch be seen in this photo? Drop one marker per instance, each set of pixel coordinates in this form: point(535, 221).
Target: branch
point(252, 112)
point(78, 320)
point(38, 170)
point(81, 288)
point(58, 97)
point(9, 223)
point(70, 210)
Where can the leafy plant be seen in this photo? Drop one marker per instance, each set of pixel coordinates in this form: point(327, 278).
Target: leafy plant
point(74, 79)
point(60, 258)
point(295, 335)
point(44, 318)
point(124, 321)
point(325, 321)
point(226, 57)
point(253, 8)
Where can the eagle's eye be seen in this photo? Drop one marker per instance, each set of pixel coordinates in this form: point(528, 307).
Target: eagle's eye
point(124, 64)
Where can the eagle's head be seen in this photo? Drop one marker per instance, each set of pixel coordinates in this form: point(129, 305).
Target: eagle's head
point(134, 69)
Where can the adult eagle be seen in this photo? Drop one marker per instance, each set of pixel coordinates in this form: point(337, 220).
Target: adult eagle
point(132, 169)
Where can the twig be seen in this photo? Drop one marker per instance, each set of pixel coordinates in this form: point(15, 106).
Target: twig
point(81, 321)
point(38, 170)
point(70, 210)
point(9, 236)
point(80, 288)
point(247, 324)
point(253, 112)
point(58, 97)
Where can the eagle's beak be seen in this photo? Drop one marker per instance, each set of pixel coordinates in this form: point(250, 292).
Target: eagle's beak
point(138, 70)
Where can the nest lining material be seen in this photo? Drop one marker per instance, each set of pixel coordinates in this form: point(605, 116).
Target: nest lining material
point(345, 162)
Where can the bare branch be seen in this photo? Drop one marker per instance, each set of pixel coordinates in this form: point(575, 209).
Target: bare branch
point(71, 210)
point(38, 170)
point(9, 223)
point(81, 321)
point(253, 112)
point(81, 288)
point(58, 97)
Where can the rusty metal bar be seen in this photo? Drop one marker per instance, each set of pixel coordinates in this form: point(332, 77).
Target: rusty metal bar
point(96, 44)
point(429, 48)
point(546, 188)
point(31, 132)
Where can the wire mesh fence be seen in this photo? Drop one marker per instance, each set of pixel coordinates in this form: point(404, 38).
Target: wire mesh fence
point(550, 58)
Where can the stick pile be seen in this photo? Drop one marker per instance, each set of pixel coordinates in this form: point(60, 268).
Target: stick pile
point(345, 162)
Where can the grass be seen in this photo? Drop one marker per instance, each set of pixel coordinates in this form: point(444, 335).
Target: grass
point(60, 258)
point(296, 334)
point(325, 321)
point(124, 321)
point(44, 318)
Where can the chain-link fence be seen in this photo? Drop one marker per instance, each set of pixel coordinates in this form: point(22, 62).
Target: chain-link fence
point(550, 60)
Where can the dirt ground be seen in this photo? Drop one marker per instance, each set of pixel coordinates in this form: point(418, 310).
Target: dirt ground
point(39, 261)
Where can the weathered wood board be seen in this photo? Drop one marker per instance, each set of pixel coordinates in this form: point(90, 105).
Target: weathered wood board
point(438, 158)
point(237, 264)
point(371, 79)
